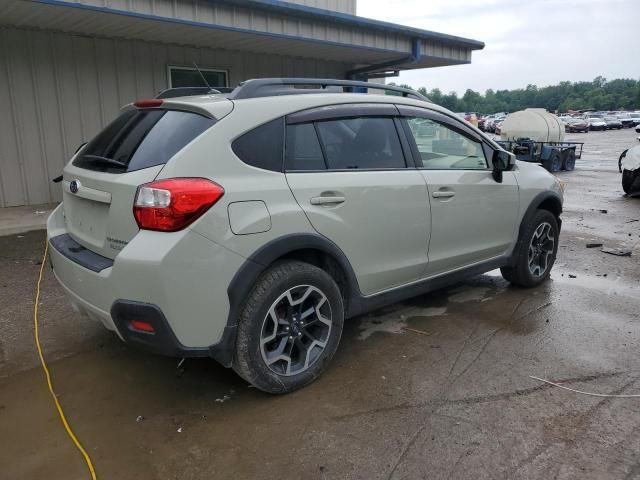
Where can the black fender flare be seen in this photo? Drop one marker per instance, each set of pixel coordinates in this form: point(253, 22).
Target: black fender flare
point(534, 205)
point(246, 276)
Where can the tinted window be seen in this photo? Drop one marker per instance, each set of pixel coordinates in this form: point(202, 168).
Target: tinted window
point(366, 142)
point(262, 146)
point(190, 77)
point(442, 148)
point(140, 139)
point(303, 150)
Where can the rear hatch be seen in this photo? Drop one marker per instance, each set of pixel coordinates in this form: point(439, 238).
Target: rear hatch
point(100, 184)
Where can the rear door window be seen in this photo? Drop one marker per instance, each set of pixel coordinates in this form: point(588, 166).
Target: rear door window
point(361, 143)
point(303, 150)
point(140, 139)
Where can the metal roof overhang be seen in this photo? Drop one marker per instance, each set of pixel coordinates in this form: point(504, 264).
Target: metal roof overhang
point(84, 19)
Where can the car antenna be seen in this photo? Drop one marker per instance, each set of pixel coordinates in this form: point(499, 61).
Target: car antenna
point(202, 76)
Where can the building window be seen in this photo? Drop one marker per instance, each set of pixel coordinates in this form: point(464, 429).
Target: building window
point(189, 77)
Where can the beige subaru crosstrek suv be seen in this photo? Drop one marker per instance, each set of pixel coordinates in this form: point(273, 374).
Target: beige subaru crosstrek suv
point(246, 226)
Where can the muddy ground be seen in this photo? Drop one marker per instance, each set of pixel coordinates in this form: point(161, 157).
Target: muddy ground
point(395, 404)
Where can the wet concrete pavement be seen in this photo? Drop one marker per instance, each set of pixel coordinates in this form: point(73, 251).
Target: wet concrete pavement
point(456, 402)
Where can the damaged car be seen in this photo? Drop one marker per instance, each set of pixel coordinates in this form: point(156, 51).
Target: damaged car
point(629, 166)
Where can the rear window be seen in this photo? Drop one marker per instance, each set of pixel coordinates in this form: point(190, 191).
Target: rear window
point(140, 139)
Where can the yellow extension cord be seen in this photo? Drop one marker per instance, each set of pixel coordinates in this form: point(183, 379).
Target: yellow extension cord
point(48, 375)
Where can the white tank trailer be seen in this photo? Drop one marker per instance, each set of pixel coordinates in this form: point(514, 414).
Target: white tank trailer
point(533, 123)
point(535, 135)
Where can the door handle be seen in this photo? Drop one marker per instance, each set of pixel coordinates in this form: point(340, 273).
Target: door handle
point(334, 200)
point(443, 194)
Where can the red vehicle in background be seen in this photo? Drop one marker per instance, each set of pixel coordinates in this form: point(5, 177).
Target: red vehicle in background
point(576, 125)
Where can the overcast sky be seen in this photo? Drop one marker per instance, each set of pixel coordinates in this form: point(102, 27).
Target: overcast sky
point(541, 42)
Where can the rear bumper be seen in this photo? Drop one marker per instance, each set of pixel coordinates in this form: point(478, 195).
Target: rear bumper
point(178, 280)
point(161, 341)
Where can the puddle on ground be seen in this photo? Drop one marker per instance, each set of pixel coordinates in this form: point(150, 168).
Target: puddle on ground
point(467, 294)
point(372, 324)
point(395, 320)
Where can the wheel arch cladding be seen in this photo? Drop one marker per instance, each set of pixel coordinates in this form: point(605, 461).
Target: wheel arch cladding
point(552, 204)
point(549, 201)
point(307, 247)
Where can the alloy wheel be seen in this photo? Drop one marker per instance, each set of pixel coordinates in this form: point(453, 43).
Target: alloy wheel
point(541, 250)
point(295, 330)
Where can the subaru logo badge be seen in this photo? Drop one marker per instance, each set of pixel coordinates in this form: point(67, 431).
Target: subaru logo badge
point(74, 186)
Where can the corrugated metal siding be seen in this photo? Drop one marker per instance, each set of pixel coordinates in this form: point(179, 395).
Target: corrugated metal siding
point(445, 51)
point(344, 6)
point(58, 90)
point(264, 21)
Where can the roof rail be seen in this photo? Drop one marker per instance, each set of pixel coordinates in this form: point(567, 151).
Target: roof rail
point(190, 91)
point(269, 87)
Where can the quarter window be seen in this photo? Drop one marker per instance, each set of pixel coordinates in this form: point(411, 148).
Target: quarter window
point(443, 148)
point(262, 146)
point(361, 143)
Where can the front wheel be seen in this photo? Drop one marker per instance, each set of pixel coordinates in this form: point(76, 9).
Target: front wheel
point(535, 252)
point(289, 328)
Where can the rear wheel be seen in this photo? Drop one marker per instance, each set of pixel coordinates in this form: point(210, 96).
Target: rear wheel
point(290, 327)
point(535, 252)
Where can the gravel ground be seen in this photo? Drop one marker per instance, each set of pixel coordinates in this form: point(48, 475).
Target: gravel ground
point(455, 403)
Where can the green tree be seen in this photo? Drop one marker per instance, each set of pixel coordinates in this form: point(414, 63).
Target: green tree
point(599, 94)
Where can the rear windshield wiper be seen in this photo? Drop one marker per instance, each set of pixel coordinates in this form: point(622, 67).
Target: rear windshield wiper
point(105, 160)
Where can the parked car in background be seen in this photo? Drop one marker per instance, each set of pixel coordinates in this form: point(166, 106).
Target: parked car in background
point(576, 125)
point(597, 123)
point(625, 119)
point(635, 118)
point(490, 124)
point(613, 122)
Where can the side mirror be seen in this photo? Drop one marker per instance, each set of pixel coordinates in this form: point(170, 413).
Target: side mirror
point(502, 162)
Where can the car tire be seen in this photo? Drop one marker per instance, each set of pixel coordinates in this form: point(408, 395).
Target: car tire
point(529, 253)
point(628, 177)
point(569, 160)
point(289, 328)
point(554, 162)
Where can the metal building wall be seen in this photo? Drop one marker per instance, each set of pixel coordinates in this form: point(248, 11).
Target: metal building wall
point(343, 6)
point(262, 21)
point(57, 90)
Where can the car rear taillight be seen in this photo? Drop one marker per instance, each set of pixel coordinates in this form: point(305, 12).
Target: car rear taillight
point(172, 204)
